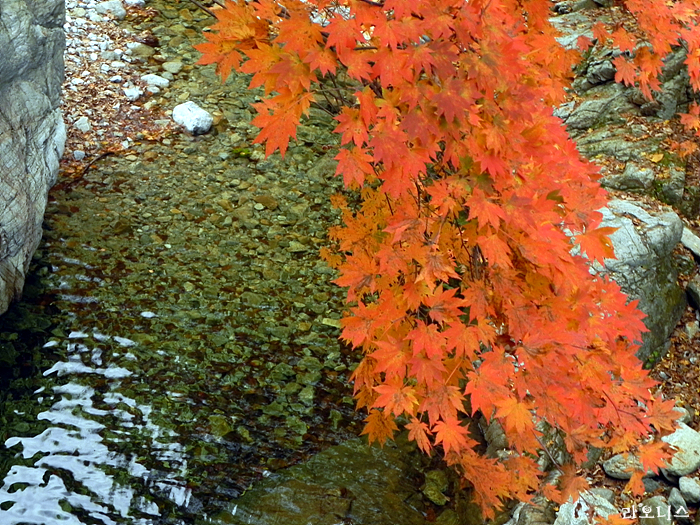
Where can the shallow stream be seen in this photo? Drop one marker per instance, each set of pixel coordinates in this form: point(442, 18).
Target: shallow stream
point(178, 336)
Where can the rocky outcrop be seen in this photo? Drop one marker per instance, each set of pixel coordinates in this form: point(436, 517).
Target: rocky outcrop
point(32, 133)
point(645, 267)
point(618, 128)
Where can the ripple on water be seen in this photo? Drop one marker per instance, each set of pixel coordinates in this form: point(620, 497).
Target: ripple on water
point(70, 470)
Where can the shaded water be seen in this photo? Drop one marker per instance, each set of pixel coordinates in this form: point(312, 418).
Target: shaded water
point(151, 382)
point(178, 336)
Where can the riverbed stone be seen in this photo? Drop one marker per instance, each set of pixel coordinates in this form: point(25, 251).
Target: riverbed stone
point(155, 80)
point(678, 505)
point(621, 466)
point(193, 118)
point(172, 66)
point(113, 8)
point(366, 485)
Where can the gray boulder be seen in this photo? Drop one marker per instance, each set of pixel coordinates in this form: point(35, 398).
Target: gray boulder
point(690, 489)
point(32, 132)
point(607, 103)
point(633, 177)
point(678, 505)
point(655, 511)
point(687, 458)
point(621, 466)
point(645, 267)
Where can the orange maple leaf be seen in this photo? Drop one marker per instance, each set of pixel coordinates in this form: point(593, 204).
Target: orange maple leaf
point(626, 71)
point(379, 427)
point(452, 435)
point(397, 398)
point(596, 244)
point(420, 433)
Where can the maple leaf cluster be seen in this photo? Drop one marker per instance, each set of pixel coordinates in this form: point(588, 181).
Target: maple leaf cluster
point(465, 295)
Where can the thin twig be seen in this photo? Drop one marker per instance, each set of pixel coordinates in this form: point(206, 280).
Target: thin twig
point(203, 8)
point(319, 106)
point(546, 451)
point(99, 157)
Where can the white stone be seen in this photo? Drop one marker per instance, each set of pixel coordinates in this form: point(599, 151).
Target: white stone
point(78, 155)
point(155, 80)
point(194, 119)
point(82, 124)
point(132, 93)
point(111, 7)
point(135, 3)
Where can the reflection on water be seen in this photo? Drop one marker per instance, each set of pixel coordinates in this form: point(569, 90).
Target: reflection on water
point(71, 475)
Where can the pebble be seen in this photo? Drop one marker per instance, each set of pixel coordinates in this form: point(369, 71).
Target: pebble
point(155, 80)
point(140, 50)
point(173, 67)
point(132, 93)
point(78, 155)
point(194, 119)
point(82, 124)
point(113, 8)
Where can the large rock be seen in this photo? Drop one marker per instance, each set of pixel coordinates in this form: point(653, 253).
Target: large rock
point(645, 267)
point(686, 460)
point(585, 510)
point(32, 133)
